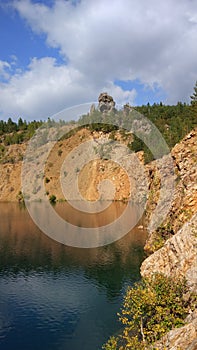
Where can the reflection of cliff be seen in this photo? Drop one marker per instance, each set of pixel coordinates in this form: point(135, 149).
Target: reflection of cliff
point(24, 248)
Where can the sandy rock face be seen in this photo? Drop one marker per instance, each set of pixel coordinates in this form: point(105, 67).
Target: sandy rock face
point(185, 158)
point(178, 256)
point(184, 196)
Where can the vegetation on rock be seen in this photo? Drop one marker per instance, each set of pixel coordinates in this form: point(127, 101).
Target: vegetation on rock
point(150, 309)
point(174, 122)
point(52, 199)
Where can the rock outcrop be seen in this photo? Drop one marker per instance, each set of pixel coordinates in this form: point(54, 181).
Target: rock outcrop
point(106, 103)
point(184, 201)
point(127, 109)
point(178, 258)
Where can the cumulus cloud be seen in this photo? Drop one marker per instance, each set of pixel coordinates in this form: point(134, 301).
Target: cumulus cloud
point(46, 88)
point(43, 89)
point(102, 41)
point(4, 70)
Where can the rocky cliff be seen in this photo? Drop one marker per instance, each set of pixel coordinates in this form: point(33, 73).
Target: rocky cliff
point(177, 238)
point(178, 258)
point(184, 198)
point(101, 167)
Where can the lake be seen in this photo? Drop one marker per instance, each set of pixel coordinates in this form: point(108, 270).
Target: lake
point(54, 296)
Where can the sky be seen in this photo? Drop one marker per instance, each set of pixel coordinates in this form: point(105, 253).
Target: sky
point(55, 54)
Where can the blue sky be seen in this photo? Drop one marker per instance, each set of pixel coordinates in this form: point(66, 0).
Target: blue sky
point(56, 54)
point(18, 39)
point(145, 93)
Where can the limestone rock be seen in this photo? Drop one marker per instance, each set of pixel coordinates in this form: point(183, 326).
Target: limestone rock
point(92, 109)
point(106, 103)
point(184, 200)
point(127, 109)
point(177, 258)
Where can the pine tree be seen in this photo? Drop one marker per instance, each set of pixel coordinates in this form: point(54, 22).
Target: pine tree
point(194, 102)
point(194, 96)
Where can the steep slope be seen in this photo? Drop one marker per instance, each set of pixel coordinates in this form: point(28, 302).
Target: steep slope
point(184, 201)
point(177, 257)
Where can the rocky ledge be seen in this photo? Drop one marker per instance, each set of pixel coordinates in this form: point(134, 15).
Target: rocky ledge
point(178, 258)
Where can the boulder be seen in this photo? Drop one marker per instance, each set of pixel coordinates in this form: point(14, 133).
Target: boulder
point(106, 103)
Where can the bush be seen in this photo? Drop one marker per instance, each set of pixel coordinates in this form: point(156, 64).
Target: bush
point(20, 197)
point(52, 199)
point(150, 309)
point(59, 152)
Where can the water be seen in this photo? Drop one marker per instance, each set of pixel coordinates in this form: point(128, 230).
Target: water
point(58, 297)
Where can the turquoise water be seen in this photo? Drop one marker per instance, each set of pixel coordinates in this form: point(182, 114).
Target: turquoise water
point(58, 297)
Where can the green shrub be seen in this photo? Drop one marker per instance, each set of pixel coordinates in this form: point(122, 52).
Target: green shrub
point(20, 197)
point(150, 309)
point(52, 199)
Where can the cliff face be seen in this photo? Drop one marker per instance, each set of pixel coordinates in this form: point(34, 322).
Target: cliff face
point(89, 176)
point(184, 154)
point(10, 172)
point(178, 256)
point(184, 202)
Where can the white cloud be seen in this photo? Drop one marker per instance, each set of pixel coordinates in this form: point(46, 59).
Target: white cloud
point(4, 70)
point(46, 88)
point(103, 40)
point(41, 90)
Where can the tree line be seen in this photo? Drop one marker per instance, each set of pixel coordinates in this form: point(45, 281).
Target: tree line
point(173, 121)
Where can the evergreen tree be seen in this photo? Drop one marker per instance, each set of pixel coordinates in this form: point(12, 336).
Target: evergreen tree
point(20, 124)
point(194, 102)
point(11, 126)
point(194, 96)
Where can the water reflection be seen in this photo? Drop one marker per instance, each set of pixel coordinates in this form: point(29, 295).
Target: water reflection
point(59, 297)
point(88, 231)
